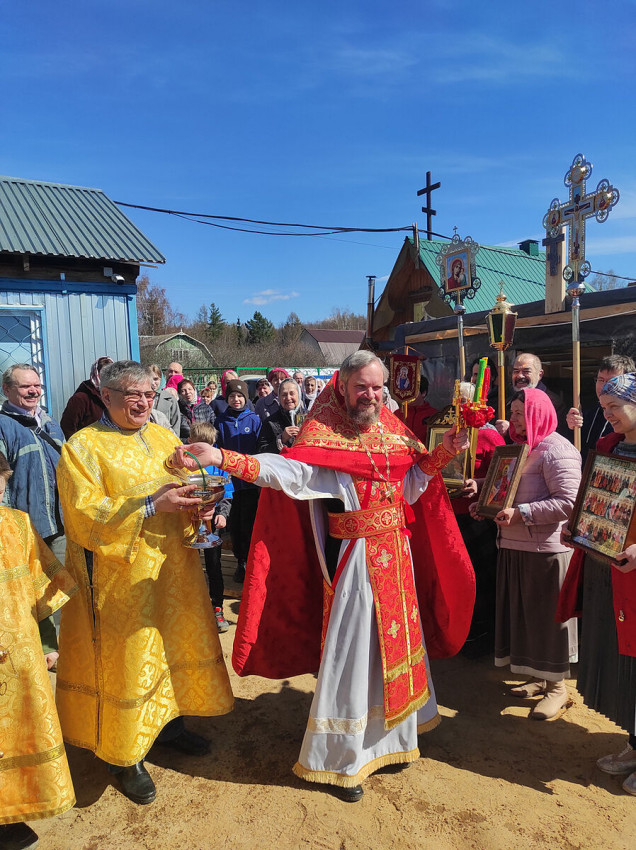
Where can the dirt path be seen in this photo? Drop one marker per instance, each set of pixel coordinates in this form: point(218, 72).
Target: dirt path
point(488, 778)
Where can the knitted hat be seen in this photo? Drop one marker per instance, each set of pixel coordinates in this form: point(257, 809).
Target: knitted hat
point(278, 369)
point(236, 387)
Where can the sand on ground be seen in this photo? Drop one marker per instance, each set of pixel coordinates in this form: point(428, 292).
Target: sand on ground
point(488, 778)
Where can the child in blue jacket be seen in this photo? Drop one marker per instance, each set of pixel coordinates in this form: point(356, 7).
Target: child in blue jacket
point(204, 432)
point(238, 428)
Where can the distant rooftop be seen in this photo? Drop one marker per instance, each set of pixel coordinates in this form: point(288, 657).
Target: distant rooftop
point(52, 219)
point(331, 335)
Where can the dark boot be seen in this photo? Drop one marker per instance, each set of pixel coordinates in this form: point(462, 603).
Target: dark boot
point(17, 836)
point(239, 573)
point(137, 784)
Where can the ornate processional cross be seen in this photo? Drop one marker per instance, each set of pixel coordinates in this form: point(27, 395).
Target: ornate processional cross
point(573, 214)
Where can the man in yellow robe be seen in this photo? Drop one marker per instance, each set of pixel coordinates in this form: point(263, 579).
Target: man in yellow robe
point(139, 647)
point(34, 778)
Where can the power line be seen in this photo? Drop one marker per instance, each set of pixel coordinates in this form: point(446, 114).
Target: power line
point(611, 274)
point(333, 230)
point(192, 216)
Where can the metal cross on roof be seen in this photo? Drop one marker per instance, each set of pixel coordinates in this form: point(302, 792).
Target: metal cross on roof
point(574, 213)
point(430, 187)
point(554, 255)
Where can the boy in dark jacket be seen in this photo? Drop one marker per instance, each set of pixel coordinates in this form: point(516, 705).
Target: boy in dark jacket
point(239, 428)
point(203, 432)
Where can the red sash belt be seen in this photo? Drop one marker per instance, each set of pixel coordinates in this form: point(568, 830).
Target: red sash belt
point(371, 522)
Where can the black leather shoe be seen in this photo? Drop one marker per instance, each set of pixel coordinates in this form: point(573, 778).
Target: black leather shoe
point(17, 836)
point(350, 795)
point(188, 743)
point(137, 784)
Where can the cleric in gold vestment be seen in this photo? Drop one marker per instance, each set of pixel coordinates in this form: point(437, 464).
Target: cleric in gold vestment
point(138, 644)
point(34, 777)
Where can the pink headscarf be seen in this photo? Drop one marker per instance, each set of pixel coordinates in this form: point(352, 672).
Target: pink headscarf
point(173, 382)
point(541, 418)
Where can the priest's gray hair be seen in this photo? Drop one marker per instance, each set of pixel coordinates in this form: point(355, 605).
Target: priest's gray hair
point(358, 360)
point(123, 373)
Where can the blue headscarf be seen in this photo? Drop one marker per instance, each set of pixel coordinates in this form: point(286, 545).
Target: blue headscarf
point(622, 386)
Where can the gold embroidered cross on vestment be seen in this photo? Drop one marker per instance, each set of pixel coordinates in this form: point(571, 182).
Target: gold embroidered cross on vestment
point(395, 628)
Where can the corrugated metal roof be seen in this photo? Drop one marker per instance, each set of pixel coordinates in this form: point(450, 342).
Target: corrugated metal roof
point(68, 221)
point(336, 336)
point(523, 276)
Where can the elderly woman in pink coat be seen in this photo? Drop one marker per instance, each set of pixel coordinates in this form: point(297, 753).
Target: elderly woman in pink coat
point(532, 561)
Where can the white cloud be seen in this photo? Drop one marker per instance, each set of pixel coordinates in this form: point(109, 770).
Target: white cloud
point(267, 296)
point(610, 245)
point(471, 56)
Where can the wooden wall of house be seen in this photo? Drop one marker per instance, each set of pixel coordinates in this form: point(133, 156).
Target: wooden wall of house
point(74, 269)
point(78, 328)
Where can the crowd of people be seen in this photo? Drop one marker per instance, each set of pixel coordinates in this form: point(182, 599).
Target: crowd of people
point(374, 571)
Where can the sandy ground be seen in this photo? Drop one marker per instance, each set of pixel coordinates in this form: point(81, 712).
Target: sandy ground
point(487, 778)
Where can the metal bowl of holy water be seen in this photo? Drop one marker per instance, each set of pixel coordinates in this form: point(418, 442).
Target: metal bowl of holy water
point(210, 489)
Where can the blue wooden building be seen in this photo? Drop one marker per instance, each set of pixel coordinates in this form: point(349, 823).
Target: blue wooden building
point(69, 261)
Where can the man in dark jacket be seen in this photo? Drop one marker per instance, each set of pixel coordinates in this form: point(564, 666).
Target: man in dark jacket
point(32, 444)
point(527, 372)
point(31, 441)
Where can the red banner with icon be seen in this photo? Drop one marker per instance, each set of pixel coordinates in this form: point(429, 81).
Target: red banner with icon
point(405, 377)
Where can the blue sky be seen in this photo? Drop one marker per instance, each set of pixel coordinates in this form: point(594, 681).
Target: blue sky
point(328, 113)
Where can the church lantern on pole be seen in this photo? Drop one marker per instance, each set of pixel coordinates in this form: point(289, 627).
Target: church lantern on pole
point(501, 330)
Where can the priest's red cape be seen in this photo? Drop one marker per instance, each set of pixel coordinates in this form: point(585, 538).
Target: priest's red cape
point(280, 621)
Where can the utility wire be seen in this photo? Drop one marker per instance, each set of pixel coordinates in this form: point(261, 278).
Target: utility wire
point(327, 227)
point(249, 230)
point(333, 230)
point(611, 274)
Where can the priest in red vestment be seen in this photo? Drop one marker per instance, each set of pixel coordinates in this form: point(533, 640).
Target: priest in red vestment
point(352, 574)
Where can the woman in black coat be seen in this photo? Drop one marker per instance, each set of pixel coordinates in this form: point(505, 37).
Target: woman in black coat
point(282, 427)
point(85, 406)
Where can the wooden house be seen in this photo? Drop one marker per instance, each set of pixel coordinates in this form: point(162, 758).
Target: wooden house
point(69, 260)
point(198, 363)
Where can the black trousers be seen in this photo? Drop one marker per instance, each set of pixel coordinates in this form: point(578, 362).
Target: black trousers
point(480, 539)
point(212, 558)
point(242, 516)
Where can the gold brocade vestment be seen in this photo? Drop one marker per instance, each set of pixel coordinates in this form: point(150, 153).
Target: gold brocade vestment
point(139, 645)
point(34, 778)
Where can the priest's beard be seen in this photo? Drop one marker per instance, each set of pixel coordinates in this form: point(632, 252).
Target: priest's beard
point(364, 415)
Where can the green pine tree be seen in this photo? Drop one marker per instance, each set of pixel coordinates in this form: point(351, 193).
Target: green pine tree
point(259, 329)
point(216, 323)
